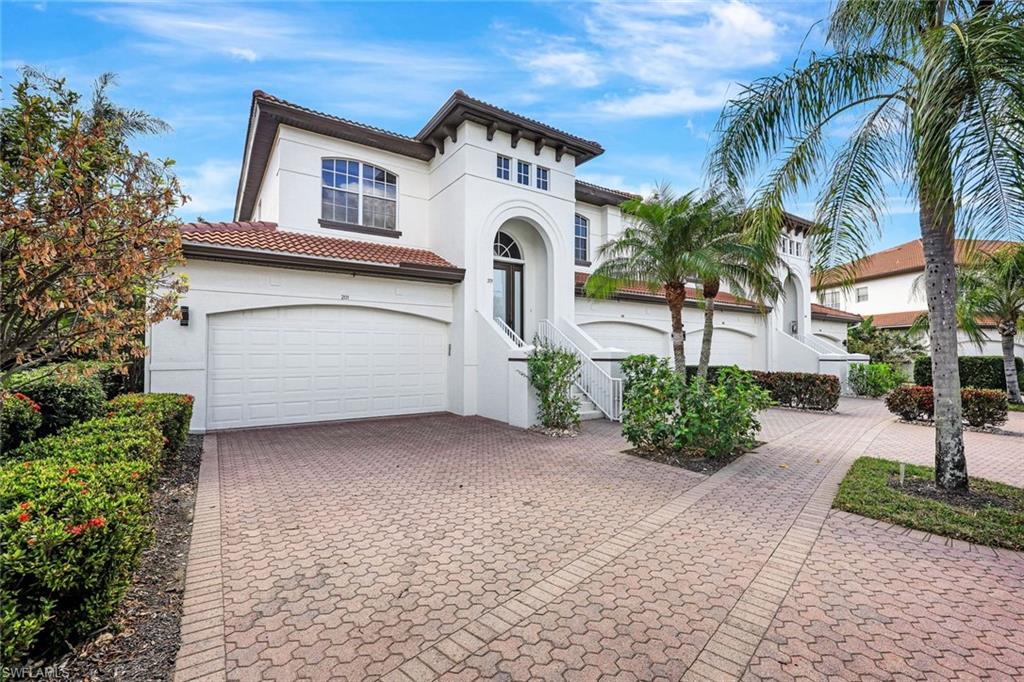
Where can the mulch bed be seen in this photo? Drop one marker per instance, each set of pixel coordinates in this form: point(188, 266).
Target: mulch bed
point(972, 499)
point(967, 427)
point(142, 641)
point(700, 465)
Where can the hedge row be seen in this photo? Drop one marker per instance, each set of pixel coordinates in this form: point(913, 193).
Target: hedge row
point(74, 519)
point(981, 406)
point(804, 390)
point(976, 371)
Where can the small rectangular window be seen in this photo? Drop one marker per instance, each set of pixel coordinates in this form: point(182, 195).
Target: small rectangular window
point(581, 239)
point(522, 173)
point(798, 248)
point(542, 177)
point(832, 299)
point(862, 294)
point(504, 167)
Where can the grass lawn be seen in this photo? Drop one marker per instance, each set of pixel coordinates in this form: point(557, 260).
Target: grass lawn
point(993, 513)
point(1014, 407)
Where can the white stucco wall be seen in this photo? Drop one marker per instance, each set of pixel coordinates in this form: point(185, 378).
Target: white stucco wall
point(885, 295)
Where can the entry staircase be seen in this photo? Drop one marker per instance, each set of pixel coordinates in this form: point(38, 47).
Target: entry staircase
point(602, 390)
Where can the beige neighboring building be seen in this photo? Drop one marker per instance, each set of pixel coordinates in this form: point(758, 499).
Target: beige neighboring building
point(884, 288)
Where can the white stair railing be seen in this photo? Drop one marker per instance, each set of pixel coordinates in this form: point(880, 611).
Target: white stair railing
point(604, 390)
point(823, 346)
point(509, 332)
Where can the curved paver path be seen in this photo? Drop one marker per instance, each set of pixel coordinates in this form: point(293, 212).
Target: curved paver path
point(458, 548)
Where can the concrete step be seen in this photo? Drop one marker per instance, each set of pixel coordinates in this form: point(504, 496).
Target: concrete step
point(588, 410)
point(587, 415)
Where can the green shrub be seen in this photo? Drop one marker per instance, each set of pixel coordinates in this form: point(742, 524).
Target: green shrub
point(70, 538)
point(875, 379)
point(699, 418)
point(100, 441)
point(552, 371)
point(803, 390)
point(115, 379)
point(976, 371)
point(981, 406)
point(20, 418)
point(171, 412)
point(65, 395)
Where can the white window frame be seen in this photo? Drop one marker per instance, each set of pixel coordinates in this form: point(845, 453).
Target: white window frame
point(360, 195)
point(504, 167)
point(859, 292)
point(546, 172)
point(578, 222)
point(521, 177)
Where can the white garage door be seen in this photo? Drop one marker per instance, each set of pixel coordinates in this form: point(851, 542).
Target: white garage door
point(631, 338)
point(313, 363)
point(728, 347)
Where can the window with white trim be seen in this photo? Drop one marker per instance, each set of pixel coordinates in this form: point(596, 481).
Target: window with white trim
point(358, 193)
point(862, 294)
point(832, 299)
point(522, 173)
point(542, 177)
point(581, 240)
point(504, 167)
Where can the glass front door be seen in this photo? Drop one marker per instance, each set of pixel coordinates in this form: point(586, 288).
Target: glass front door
point(508, 295)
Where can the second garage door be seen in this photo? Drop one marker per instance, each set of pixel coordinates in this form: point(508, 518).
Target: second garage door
point(313, 363)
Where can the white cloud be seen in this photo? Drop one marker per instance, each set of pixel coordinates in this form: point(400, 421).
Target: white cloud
point(575, 68)
point(211, 189)
point(665, 102)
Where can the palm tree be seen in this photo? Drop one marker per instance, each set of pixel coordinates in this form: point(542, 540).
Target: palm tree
point(991, 287)
point(670, 240)
point(936, 88)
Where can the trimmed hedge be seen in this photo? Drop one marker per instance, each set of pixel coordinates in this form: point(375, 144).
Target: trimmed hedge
point(71, 536)
point(65, 395)
point(171, 412)
point(804, 390)
point(976, 371)
point(875, 379)
point(20, 418)
point(101, 441)
point(981, 406)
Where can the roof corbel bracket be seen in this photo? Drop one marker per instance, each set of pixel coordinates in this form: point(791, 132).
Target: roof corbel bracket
point(491, 128)
point(559, 151)
point(517, 135)
point(538, 145)
point(452, 132)
point(439, 144)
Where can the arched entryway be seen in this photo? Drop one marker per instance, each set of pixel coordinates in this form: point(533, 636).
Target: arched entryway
point(791, 307)
point(519, 280)
point(507, 292)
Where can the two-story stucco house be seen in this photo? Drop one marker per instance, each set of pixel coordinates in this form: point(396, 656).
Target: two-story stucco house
point(368, 273)
point(888, 287)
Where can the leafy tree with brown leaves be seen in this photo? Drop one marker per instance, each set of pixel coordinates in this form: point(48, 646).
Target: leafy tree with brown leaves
point(89, 243)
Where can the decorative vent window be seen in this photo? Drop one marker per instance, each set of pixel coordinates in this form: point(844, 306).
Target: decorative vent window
point(504, 167)
point(358, 194)
point(522, 173)
point(582, 239)
point(542, 177)
point(506, 247)
point(862, 294)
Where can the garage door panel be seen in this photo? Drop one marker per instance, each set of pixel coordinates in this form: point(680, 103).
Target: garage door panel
point(632, 338)
point(289, 365)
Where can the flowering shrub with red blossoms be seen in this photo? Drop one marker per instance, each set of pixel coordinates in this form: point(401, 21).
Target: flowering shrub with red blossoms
point(70, 538)
point(20, 418)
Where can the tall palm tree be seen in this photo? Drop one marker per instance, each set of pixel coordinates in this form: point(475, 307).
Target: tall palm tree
point(670, 240)
point(936, 88)
point(991, 287)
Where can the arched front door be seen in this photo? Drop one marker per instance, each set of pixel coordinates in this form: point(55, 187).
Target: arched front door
point(508, 282)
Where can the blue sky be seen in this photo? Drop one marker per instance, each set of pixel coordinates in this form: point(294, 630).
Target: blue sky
point(646, 81)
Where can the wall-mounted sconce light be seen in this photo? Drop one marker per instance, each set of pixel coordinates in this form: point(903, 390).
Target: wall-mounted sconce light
point(184, 316)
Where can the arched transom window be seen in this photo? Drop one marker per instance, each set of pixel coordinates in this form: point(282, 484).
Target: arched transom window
point(506, 247)
point(356, 193)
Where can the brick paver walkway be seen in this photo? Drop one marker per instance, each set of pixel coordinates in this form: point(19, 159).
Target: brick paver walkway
point(457, 548)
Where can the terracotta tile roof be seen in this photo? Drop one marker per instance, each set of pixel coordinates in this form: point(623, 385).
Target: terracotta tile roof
point(823, 311)
point(902, 319)
point(692, 293)
point(265, 236)
point(906, 258)
point(622, 193)
point(259, 94)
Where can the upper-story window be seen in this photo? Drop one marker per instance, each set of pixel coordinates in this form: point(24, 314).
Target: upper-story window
point(862, 294)
point(522, 173)
point(357, 193)
point(504, 167)
point(542, 177)
point(832, 299)
point(581, 240)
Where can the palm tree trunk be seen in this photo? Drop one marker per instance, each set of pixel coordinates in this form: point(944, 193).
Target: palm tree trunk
point(710, 291)
point(937, 238)
point(675, 295)
point(1008, 334)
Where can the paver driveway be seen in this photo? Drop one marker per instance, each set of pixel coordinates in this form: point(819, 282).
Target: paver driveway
point(446, 547)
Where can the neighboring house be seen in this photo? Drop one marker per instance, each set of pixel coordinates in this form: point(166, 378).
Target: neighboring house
point(368, 273)
point(888, 286)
